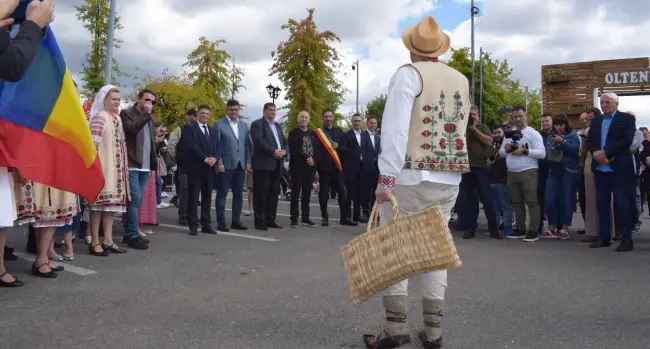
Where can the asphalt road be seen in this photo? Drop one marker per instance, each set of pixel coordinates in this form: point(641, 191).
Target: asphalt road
point(287, 289)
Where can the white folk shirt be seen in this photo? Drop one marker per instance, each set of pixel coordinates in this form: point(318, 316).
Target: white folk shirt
point(404, 86)
point(536, 151)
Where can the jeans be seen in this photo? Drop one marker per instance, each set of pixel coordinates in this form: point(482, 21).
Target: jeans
point(230, 180)
point(560, 196)
point(137, 184)
point(502, 205)
point(159, 185)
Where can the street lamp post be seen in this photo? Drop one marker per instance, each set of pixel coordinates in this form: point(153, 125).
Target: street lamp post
point(474, 11)
point(109, 44)
point(274, 92)
point(355, 66)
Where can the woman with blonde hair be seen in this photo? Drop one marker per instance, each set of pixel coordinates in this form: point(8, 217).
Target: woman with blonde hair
point(108, 136)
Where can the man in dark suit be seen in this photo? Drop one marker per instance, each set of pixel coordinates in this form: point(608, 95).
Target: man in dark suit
point(270, 150)
point(615, 171)
point(234, 160)
point(200, 144)
point(371, 168)
point(329, 174)
point(353, 166)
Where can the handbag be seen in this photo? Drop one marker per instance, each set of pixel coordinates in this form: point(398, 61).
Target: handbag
point(405, 246)
point(162, 168)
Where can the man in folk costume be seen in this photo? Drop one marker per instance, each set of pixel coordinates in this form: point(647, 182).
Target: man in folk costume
point(423, 156)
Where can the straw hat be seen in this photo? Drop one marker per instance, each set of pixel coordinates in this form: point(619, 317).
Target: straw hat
point(426, 39)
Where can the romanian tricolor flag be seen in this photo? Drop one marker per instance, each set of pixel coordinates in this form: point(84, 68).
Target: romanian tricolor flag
point(325, 139)
point(43, 129)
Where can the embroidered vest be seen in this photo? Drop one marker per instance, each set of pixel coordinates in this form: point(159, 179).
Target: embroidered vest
point(112, 154)
point(436, 140)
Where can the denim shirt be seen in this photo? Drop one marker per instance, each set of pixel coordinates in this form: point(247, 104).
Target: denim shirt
point(570, 148)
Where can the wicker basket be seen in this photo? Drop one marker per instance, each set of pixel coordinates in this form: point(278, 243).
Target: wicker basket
point(405, 246)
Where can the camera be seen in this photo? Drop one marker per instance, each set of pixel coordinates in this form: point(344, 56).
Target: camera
point(513, 132)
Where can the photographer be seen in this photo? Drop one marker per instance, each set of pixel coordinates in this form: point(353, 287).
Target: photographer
point(479, 150)
point(522, 148)
point(17, 54)
point(15, 57)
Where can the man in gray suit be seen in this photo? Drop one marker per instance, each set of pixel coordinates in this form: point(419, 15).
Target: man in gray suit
point(235, 159)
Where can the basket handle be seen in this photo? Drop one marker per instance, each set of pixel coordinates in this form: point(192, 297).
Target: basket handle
point(374, 214)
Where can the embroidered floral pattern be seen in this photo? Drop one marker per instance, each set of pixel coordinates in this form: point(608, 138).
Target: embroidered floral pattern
point(386, 182)
point(442, 136)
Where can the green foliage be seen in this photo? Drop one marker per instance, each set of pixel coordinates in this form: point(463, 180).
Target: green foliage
point(307, 66)
point(376, 108)
point(175, 94)
point(235, 79)
point(211, 72)
point(499, 90)
point(94, 14)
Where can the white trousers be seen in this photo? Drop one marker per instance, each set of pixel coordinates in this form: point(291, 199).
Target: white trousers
point(8, 209)
point(415, 198)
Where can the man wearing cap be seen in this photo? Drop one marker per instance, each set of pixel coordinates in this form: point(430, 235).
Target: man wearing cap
point(423, 155)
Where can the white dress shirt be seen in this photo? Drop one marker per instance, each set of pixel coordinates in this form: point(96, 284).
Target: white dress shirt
point(404, 86)
point(275, 133)
point(204, 129)
point(372, 138)
point(358, 135)
point(234, 127)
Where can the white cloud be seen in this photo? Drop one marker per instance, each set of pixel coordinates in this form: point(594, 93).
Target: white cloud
point(529, 33)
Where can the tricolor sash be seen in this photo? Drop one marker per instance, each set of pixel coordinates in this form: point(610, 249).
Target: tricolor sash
point(324, 138)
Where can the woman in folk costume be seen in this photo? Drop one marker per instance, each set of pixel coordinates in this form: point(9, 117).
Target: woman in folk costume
point(108, 136)
point(7, 218)
point(423, 156)
point(46, 208)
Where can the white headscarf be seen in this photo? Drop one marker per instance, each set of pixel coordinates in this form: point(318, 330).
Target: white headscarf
point(98, 102)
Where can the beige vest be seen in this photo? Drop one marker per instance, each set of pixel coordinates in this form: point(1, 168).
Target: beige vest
point(112, 154)
point(439, 120)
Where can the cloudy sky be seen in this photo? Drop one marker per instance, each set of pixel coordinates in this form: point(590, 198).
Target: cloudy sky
point(529, 33)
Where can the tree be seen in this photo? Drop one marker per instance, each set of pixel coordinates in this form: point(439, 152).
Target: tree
point(307, 66)
point(94, 14)
point(175, 94)
point(499, 90)
point(211, 72)
point(235, 79)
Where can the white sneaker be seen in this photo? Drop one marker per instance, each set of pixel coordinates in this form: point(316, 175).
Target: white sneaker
point(164, 194)
point(163, 205)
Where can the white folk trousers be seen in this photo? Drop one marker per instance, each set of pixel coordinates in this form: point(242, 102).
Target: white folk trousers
point(415, 198)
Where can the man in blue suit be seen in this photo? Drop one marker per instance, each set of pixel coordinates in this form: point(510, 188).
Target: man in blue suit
point(615, 170)
point(234, 159)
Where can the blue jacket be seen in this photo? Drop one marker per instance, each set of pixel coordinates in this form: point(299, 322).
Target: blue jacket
point(233, 151)
point(571, 149)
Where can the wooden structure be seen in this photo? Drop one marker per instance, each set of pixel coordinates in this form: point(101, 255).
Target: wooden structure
point(570, 88)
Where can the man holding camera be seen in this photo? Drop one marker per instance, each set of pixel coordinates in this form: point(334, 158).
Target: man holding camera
point(479, 149)
point(523, 148)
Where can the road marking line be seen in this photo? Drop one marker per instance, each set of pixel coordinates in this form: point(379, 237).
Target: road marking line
point(263, 238)
point(68, 267)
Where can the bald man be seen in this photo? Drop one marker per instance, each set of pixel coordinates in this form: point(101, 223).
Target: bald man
point(301, 169)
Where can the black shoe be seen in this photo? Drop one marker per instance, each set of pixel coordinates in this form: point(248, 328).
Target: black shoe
point(113, 248)
point(581, 232)
point(427, 344)
point(531, 237)
point(182, 221)
point(384, 341)
point(496, 235)
point(138, 243)
point(348, 222)
point(127, 238)
point(238, 226)
point(325, 222)
point(516, 234)
point(91, 250)
point(208, 230)
point(222, 227)
point(361, 219)
point(307, 222)
point(15, 283)
point(49, 275)
point(261, 227)
point(625, 245)
point(10, 256)
point(294, 223)
point(470, 234)
point(274, 225)
point(600, 244)
point(194, 232)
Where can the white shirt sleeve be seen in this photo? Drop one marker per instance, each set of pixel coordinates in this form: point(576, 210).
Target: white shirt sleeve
point(404, 86)
point(638, 140)
point(537, 149)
